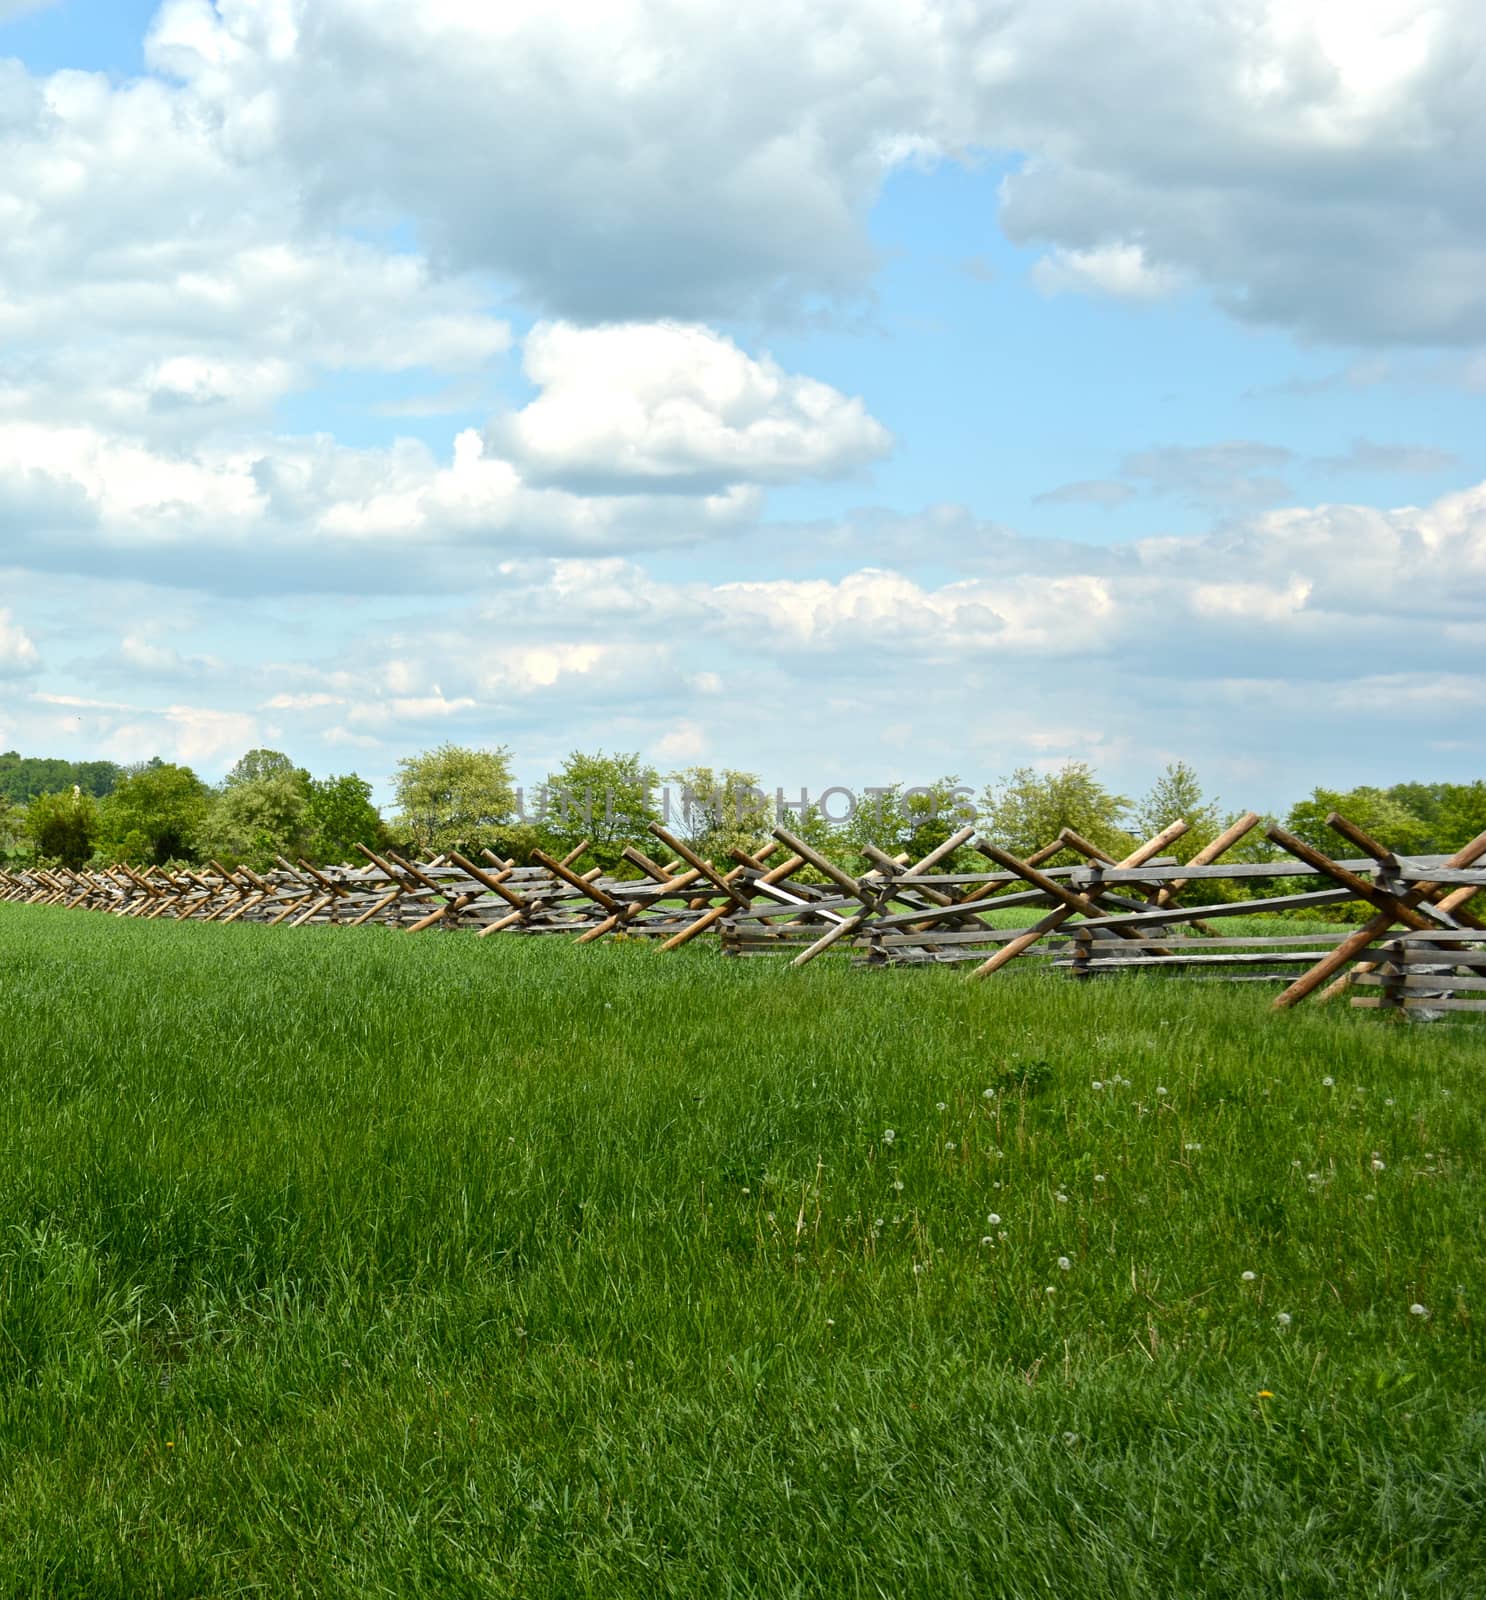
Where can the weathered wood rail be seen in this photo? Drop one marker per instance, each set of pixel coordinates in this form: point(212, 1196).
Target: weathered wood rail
point(1422, 946)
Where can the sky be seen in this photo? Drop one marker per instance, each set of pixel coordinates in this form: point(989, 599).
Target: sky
point(851, 394)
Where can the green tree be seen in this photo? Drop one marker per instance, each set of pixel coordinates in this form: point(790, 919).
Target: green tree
point(154, 815)
point(607, 799)
point(63, 827)
point(259, 765)
point(23, 778)
point(717, 811)
point(454, 796)
point(254, 819)
point(1029, 809)
point(14, 840)
point(1178, 793)
point(1376, 811)
point(910, 822)
point(340, 815)
point(1452, 813)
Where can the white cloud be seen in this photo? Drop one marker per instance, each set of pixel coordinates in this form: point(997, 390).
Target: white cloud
point(1120, 270)
point(1316, 164)
point(671, 404)
point(17, 653)
point(639, 437)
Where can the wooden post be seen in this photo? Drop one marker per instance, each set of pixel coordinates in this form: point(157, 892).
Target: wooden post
point(1071, 902)
point(1332, 963)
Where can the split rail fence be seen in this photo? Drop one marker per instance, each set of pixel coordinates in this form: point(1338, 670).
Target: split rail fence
point(1422, 949)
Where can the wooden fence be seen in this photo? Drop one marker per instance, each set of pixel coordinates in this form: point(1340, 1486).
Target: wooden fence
point(1146, 912)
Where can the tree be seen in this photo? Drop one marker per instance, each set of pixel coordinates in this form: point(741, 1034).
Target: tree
point(910, 822)
point(23, 778)
point(1029, 809)
point(258, 765)
point(456, 797)
point(13, 836)
point(340, 815)
point(154, 815)
point(1376, 811)
point(1178, 793)
point(717, 812)
point(63, 827)
point(606, 799)
point(254, 819)
point(1452, 813)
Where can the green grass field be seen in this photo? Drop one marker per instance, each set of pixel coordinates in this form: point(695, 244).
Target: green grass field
point(345, 1264)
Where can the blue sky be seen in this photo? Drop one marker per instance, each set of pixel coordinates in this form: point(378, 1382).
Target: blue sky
point(851, 396)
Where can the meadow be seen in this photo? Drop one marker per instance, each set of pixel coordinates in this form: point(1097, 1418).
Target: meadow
point(342, 1263)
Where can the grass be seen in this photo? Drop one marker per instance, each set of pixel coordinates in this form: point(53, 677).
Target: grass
point(340, 1263)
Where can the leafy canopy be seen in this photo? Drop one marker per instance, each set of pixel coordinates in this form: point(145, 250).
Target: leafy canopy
point(1029, 809)
point(454, 796)
point(63, 827)
point(154, 815)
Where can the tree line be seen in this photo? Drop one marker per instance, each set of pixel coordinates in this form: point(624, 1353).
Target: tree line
point(158, 813)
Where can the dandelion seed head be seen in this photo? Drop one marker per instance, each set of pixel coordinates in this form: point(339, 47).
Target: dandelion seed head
point(1377, 1165)
point(985, 1239)
point(987, 1094)
point(1284, 1319)
point(1417, 1310)
point(1160, 1091)
point(1248, 1277)
point(939, 1105)
point(888, 1135)
point(1327, 1083)
point(993, 1219)
point(1064, 1264)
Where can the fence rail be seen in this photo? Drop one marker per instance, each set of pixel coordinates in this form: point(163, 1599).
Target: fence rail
point(1422, 947)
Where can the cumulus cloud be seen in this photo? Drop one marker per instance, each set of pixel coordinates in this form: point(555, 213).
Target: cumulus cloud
point(1314, 165)
point(639, 436)
point(1120, 270)
point(17, 653)
point(669, 405)
point(159, 276)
